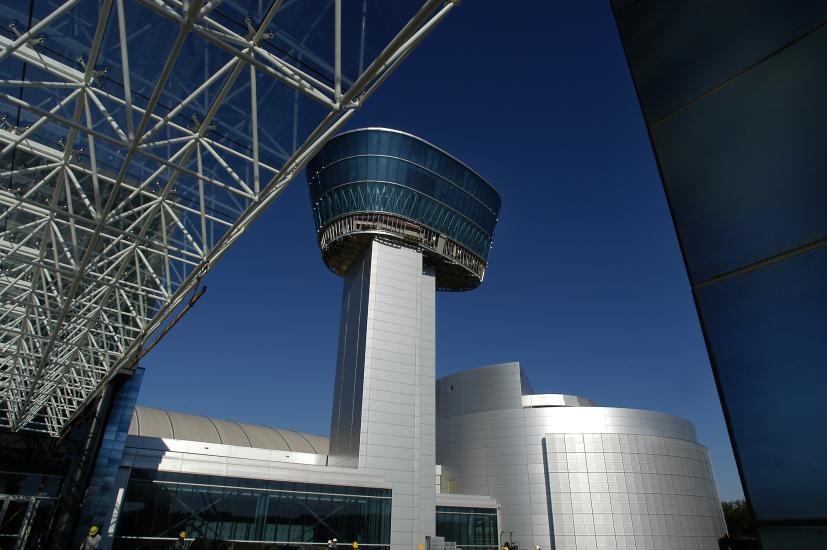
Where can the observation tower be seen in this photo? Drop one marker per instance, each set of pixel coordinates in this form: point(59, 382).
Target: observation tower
point(398, 218)
point(379, 183)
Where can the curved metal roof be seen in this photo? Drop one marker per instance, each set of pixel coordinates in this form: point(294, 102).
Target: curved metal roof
point(151, 422)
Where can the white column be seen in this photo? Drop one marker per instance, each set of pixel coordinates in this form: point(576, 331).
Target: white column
point(384, 417)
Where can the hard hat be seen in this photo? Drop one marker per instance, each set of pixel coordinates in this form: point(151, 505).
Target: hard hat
point(93, 530)
point(182, 535)
point(334, 540)
point(329, 541)
point(355, 544)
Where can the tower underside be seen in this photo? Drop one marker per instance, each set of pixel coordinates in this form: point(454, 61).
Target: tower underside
point(455, 267)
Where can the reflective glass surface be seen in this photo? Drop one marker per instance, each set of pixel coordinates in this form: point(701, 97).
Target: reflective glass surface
point(12, 519)
point(376, 170)
point(744, 167)
point(733, 93)
point(768, 328)
point(101, 493)
point(801, 538)
point(468, 527)
point(678, 50)
point(29, 484)
point(159, 505)
point(301, 34)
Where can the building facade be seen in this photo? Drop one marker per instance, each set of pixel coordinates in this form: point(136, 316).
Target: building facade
point(571, 475)
point(219, 480)
point(512, 466)
point(732, 94)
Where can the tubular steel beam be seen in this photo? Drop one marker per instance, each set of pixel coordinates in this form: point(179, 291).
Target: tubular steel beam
point(119, 190)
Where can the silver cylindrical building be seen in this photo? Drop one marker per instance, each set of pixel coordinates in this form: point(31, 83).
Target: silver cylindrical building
point(569, 475)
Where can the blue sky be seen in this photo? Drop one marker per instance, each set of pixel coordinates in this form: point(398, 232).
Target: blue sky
point(586, 286)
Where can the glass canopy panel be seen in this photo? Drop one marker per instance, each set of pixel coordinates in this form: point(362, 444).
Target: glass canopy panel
point(138, 139)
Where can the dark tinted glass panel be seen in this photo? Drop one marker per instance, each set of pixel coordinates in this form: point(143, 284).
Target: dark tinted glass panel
point(12, 483)
point(679, 50)
point(395, 144)
point(744, 167)
point(39, 528)
point(12, 520)
point(468, 527)
point(799, 538)
point(161, 504)
point(412, 176)
point(394, 173)
point(768, 330)
point(393, 198)
point(733, 96)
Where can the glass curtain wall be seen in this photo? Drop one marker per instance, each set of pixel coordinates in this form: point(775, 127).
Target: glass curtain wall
point(159, 505)
point(393, 172)
point(468, 527)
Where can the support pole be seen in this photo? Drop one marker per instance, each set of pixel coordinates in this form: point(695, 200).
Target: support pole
point(337, 60)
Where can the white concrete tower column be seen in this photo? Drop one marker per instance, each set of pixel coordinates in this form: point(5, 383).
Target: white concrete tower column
point(384, 405)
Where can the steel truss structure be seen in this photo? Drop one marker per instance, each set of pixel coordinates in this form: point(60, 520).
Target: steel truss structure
point(138, 140)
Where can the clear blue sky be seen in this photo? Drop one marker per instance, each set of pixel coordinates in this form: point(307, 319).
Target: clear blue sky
point(586, 286)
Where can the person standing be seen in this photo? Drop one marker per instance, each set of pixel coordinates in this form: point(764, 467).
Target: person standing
point(93, 540)
point(181, 543)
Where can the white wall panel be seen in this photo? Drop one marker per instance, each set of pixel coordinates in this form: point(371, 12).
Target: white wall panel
point(388, 425)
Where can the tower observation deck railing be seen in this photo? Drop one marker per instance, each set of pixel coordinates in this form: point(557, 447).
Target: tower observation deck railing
point(418, 235)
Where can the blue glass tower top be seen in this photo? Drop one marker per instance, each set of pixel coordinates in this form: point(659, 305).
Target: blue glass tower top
point(381, 183)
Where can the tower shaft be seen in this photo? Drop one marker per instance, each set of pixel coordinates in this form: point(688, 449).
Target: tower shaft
point(383, 409)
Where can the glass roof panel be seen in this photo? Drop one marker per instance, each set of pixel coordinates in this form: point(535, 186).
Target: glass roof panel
point(138, 138)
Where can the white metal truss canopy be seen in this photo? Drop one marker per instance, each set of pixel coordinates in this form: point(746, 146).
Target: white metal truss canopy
point(138, 140)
